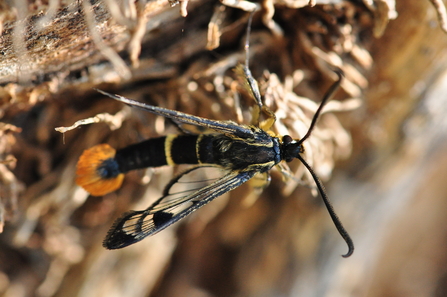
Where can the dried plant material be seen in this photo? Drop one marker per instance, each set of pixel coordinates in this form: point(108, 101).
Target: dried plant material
point(10, 186)
point(442, 14)
point(137, 38)
point(9, 194)
point(47, 19)
point(264, 244)
point(184, 8)
point(8, 160)
point(384, 11)
point(215, 28)
point(2, 218)
point(107, 51)
point(124, 13)
point(381, 11)
point(267, 17)
point(6, 128)
point(113, 121)
point(242, 4)
point(362, 56)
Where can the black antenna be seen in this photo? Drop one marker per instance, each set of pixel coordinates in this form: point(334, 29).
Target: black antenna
point(330, 209)
point(326, 97)
point(324, 196)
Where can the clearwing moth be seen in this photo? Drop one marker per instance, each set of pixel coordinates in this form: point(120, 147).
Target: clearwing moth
point(240, 150)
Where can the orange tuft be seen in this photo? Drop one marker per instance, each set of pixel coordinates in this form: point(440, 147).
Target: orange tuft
point(88, 171)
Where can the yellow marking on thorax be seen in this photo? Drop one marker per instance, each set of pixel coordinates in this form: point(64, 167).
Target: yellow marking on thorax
point(272, 134)
point(267, 124)
point(168, 148)
point(256, 166)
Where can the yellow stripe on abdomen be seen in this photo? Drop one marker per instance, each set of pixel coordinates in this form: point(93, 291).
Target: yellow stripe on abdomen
point(168, 148)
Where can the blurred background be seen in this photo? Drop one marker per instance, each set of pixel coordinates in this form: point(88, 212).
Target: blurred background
point(379, 146)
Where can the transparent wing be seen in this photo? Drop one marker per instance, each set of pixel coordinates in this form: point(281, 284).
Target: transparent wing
point(226, 127)
point(134, 226)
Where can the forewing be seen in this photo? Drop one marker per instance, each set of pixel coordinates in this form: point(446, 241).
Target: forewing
point(226, 127)
point(134, 226)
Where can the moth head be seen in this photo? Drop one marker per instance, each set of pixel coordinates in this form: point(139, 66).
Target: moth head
point(291, 148)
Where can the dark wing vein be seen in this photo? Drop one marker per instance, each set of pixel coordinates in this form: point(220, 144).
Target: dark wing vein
point(133, 226)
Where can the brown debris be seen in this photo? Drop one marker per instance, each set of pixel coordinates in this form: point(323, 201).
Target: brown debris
point(242, 244)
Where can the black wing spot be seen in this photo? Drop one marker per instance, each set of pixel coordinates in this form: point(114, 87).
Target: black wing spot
point(161, 217)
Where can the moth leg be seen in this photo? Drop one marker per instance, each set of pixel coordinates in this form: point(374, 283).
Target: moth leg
point(269, 121)
point(251, 85)
point(258, 183)
point(287, 174)
point(260, 108)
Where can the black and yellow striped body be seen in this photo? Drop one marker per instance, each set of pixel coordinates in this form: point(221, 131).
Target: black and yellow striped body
point(259, 153)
